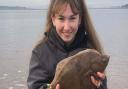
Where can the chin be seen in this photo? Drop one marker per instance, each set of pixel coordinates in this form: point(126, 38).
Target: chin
point(67, 40)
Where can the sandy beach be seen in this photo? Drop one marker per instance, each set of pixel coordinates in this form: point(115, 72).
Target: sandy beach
point(20, 31)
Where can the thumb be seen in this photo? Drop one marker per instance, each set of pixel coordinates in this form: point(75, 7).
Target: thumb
point(57, 86)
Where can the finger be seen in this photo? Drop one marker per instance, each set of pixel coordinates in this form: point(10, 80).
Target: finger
point(97, 83)
point(101, 75)
point(57, 86)
point(94, 81)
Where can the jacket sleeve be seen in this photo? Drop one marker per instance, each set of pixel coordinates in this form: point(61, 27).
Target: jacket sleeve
point(104, 84)
point(38, 73)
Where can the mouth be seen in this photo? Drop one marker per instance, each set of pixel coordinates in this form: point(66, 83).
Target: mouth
point(67, 34)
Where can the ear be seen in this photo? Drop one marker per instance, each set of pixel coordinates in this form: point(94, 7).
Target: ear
point(53, 20)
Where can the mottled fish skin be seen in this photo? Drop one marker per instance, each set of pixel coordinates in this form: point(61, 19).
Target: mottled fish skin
point(74, 72)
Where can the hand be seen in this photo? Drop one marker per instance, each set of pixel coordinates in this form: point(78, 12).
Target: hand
point(57, 86)
point(97, 83)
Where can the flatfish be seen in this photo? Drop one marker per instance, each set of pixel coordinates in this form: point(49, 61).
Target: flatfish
point(74, 72)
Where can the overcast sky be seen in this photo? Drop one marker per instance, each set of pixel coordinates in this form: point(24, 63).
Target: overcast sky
point(43, 3)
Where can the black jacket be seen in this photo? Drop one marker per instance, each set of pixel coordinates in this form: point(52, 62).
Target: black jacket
point(47, 54)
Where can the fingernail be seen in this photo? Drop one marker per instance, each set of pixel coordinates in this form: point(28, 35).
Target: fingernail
point(98, 72)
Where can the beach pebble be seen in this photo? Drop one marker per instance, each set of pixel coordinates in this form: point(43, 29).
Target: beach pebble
point(3, 78)
point(10, 88)
point(15, 81)
point(20, 85)
point(5, 75)
point(19, 71)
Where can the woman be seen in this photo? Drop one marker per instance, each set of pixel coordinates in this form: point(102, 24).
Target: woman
point(68, 30)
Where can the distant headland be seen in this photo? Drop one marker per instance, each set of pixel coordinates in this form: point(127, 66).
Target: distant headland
point(114, 7)
point(125, 6)
point(120, 7)
point(15, 8)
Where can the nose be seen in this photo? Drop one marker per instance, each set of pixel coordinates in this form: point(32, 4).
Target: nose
point(66, 25)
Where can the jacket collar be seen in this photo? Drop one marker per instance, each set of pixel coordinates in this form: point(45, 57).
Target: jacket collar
point(80, 38)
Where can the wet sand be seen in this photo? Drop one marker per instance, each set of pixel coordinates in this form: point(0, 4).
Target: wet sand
point(13, 72)
point(117, 73)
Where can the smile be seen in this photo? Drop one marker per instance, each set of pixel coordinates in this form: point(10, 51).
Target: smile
point(67, 33)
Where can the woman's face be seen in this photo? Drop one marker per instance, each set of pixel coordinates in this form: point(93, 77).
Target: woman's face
point(66, 24)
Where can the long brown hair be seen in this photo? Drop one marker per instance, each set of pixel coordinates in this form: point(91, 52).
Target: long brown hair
point(76, 6)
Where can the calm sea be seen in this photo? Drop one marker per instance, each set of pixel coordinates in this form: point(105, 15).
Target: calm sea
point(20, 31)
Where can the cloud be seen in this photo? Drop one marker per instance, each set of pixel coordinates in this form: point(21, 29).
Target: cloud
point(27, 3)
point(42, 3)
point(105, 3)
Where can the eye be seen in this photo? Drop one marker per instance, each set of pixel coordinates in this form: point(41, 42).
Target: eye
point(72, 18)
point(60, 18)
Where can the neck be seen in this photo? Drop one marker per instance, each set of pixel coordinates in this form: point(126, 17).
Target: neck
point(70, 42)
